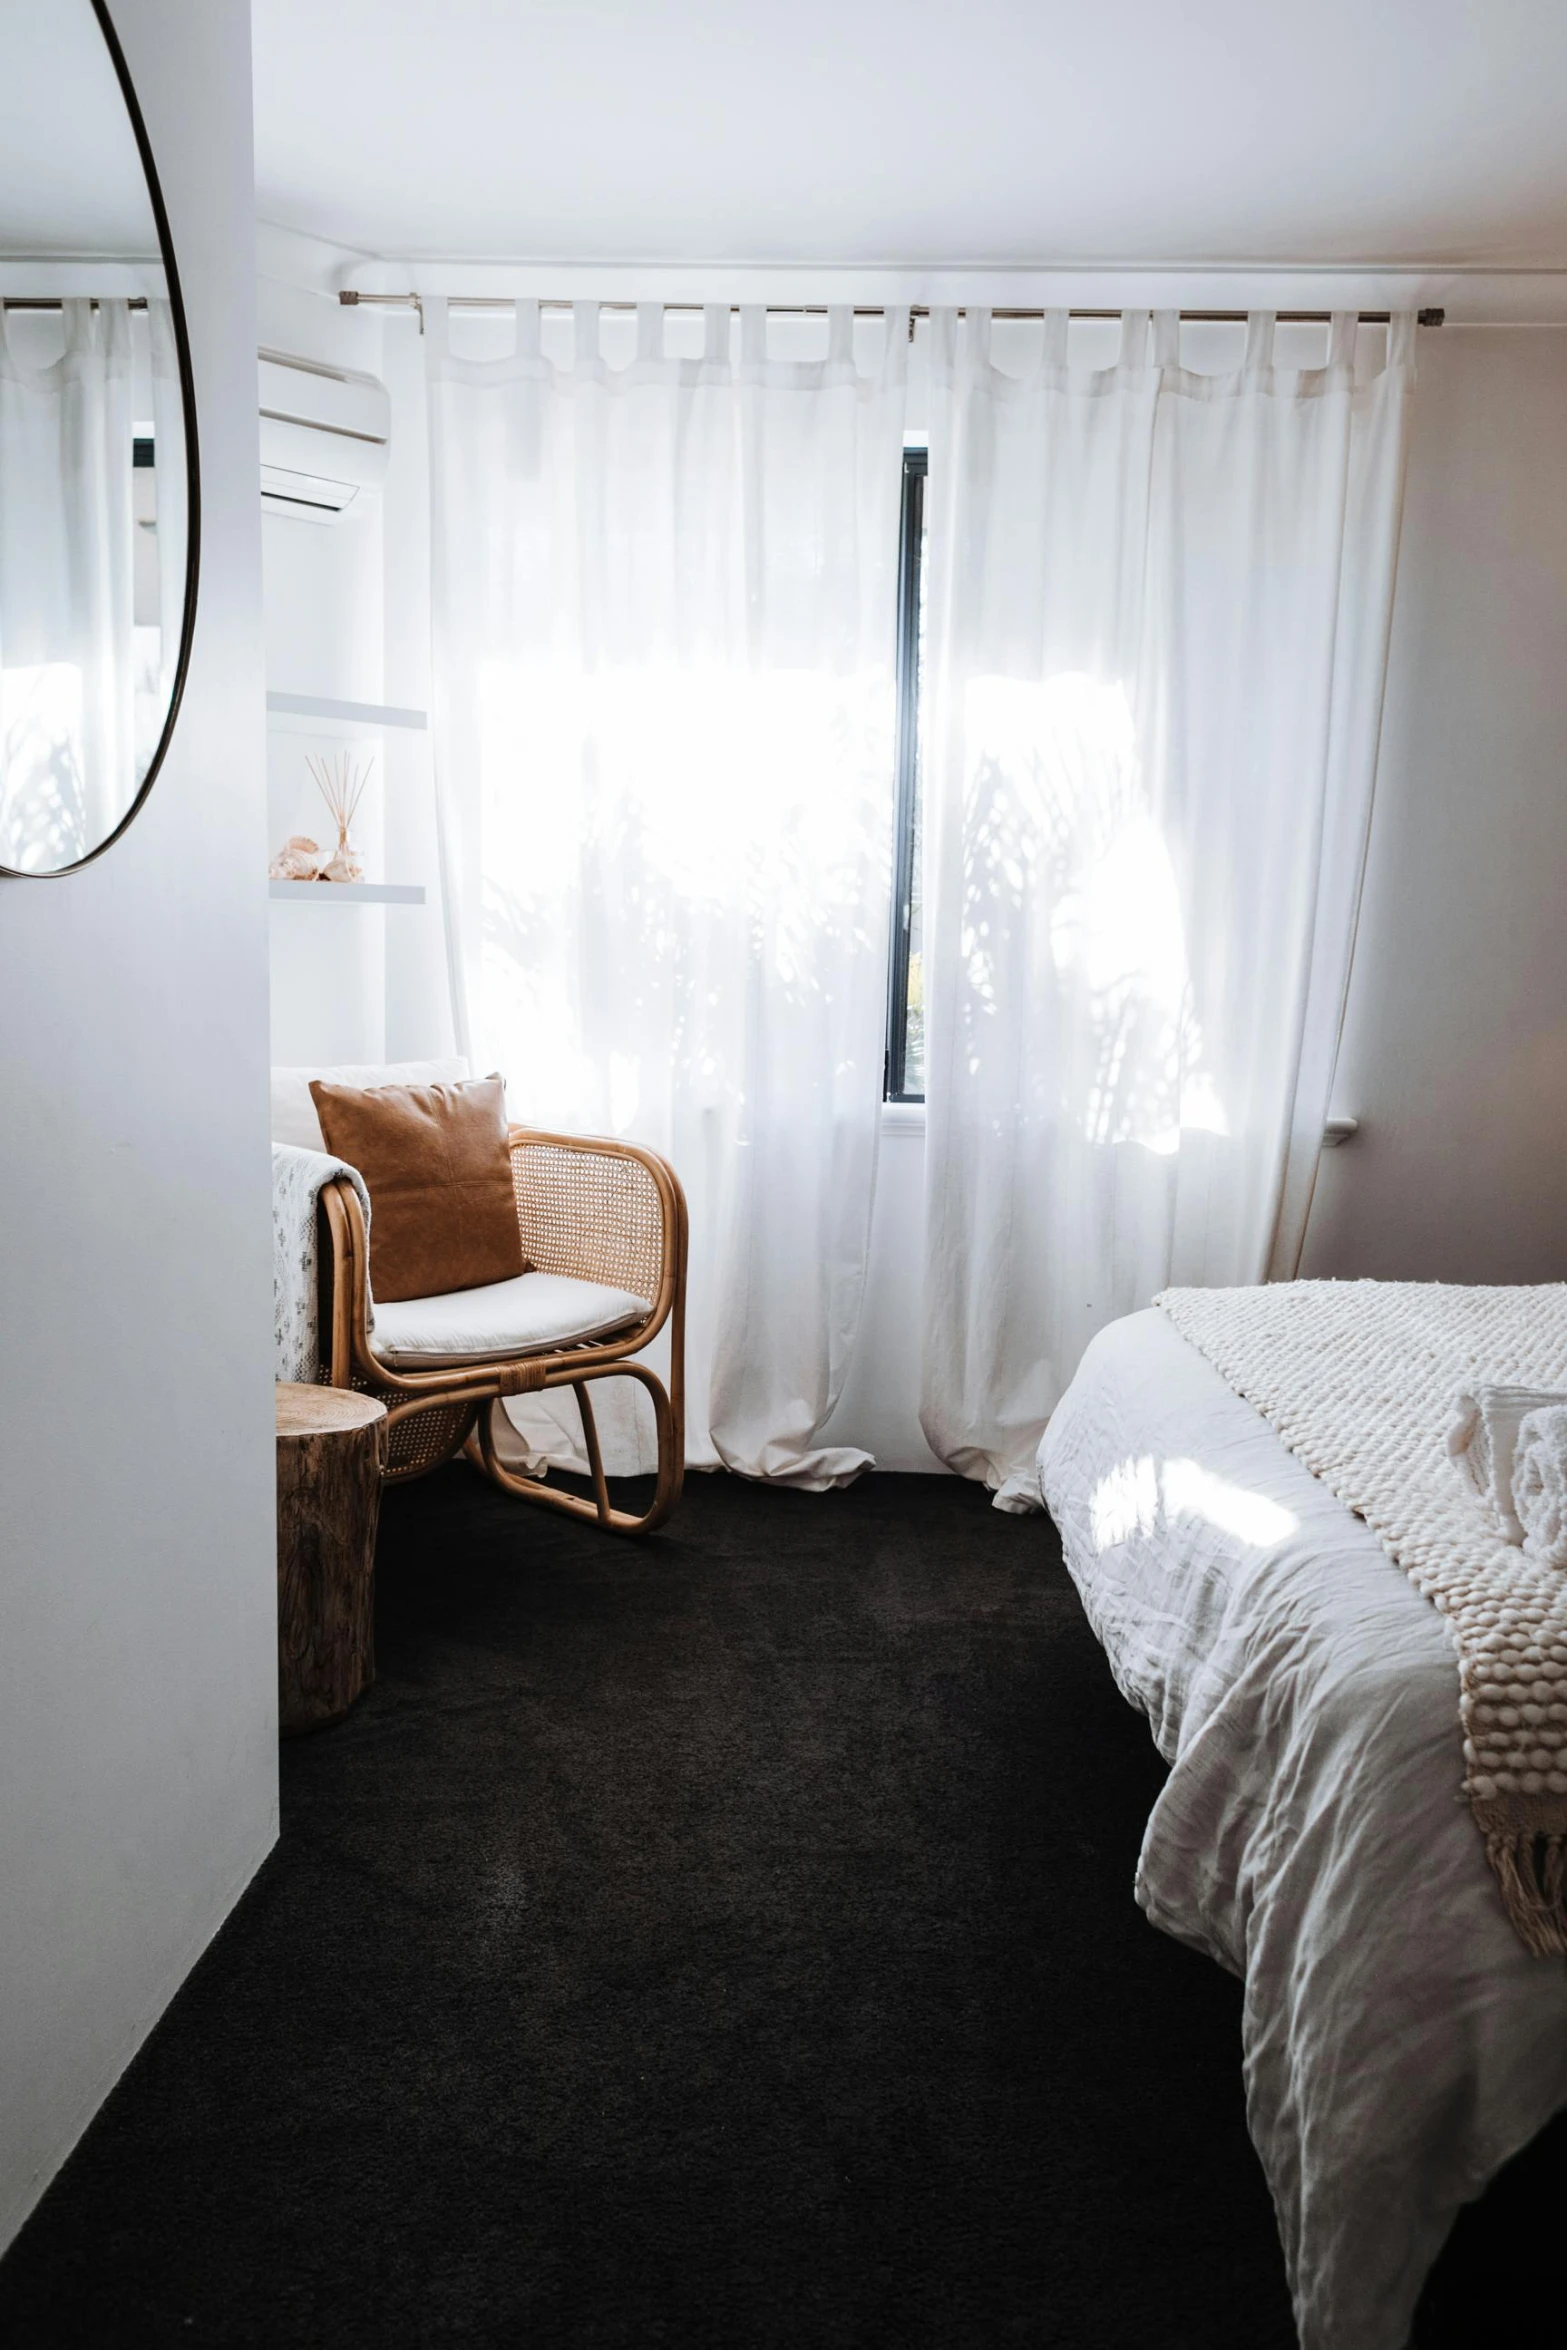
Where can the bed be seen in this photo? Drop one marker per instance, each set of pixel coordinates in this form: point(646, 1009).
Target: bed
point(1400, 2043)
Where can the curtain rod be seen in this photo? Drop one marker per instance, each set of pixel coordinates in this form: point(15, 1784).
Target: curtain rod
point(54, 301)
point(878, 310)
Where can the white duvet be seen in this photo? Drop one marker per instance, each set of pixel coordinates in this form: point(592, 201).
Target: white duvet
point(1400, 2043)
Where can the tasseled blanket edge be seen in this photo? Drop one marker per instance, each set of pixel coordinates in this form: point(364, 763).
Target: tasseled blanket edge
point(1526, 1845)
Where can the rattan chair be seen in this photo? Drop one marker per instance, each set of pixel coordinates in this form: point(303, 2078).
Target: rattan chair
point(598, 1211)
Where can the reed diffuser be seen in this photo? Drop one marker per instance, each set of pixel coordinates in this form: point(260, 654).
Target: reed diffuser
point(341, 782)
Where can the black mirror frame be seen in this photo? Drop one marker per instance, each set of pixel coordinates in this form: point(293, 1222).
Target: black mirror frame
point(192, 460)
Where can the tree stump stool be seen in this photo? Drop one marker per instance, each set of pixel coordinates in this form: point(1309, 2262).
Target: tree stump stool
point(328, 1499)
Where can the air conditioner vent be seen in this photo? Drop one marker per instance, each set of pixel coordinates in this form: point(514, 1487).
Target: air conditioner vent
point(325, 436)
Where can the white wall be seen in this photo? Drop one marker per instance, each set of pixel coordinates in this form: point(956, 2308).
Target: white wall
point(137, 1593)
point(419, 1022)
point(1455, 1046)
point(322, 598)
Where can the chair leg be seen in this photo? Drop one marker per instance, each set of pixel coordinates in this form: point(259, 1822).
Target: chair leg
point(600, 1511)
point(590, 1438)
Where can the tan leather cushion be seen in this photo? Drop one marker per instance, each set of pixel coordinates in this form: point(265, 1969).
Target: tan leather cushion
point(294, 1113)
point(443, 1215)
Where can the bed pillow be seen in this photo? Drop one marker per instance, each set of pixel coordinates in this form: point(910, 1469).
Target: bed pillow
point(443, 1214)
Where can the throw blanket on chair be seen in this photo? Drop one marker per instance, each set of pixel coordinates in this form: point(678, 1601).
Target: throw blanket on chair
point(1357, 1378)
point(297, 1177)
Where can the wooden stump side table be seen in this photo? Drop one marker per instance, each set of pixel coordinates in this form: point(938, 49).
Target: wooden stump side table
point(328, 1499)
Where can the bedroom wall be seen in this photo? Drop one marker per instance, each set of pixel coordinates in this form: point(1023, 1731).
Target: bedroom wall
point(322, 586)
point(1454, 1054)
point(138, 1755)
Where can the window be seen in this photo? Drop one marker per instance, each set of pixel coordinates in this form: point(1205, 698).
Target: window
point(905, 1080)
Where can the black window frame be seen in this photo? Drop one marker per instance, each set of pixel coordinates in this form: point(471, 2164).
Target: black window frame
point(911, 536)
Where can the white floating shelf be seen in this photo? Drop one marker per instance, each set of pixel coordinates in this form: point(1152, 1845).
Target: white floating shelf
point(350, 893)
point(309, 712)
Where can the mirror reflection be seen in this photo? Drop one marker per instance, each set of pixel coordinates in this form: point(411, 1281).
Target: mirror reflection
point(93, 493)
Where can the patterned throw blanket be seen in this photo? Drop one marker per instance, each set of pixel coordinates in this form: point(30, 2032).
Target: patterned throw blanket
point(1358, 1378)
point(297, 1177)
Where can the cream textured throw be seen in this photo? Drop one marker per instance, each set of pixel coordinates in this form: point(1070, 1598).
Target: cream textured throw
point(297, 1177)
point(1357, 1377)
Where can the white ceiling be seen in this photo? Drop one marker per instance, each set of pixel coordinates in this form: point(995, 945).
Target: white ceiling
point(70, 176)
point(934, 131)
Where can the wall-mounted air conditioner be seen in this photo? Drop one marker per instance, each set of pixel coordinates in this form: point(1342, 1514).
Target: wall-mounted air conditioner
point(325, 436)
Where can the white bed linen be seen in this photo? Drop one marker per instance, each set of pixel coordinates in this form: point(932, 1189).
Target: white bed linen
point(1400, 2043)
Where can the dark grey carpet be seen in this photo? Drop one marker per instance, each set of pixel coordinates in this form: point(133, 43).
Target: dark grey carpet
point(723, 1941)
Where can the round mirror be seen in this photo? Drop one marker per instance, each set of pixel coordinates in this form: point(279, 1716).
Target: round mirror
point(98, 482)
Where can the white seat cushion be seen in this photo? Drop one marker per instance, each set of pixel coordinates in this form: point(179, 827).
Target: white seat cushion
point(529, 1314)
point(294, 1113)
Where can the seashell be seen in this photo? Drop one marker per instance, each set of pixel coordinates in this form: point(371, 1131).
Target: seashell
point(345, 864)
point(299, 859)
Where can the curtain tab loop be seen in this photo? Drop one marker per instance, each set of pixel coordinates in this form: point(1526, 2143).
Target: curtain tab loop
point(1401, 339)
point(650, 332)
point(943, 338)
point(715, 334)
point(1167, 338)
point(160, 325)
point(1055, 337)
point(1341, 338)
point(528, 338)
point(1134, 339)
point(1259, 341)
point(585, 333)
point(895, 350)
point(840, 335)
point(976, 331)
point(116, 318)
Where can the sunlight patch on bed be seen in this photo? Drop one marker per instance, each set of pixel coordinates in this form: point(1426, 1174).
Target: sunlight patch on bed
point(1124, 1502)
point(1191, 1491)
point(1137, 1496)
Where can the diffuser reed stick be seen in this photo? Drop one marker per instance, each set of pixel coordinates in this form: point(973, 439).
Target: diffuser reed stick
point(341, 781)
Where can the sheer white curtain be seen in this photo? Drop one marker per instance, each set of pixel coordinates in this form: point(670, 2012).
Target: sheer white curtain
point(1159, 607)
point(665, 600)
point(67, 669)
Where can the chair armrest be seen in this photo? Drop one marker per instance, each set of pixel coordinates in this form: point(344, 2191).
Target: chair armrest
point(342, 1313)
point(601, 1211)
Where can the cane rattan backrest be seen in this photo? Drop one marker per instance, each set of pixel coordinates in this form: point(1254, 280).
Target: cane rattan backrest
point(595, 1214)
